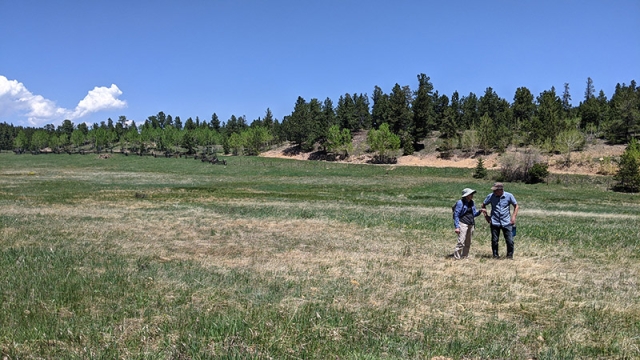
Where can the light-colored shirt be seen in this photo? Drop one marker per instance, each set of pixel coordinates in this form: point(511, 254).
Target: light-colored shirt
point(500, 208)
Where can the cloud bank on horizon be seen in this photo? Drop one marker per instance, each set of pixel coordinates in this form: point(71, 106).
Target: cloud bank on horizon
point(17, 101)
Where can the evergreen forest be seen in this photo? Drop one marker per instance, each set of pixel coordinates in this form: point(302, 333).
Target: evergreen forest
point(484, 123)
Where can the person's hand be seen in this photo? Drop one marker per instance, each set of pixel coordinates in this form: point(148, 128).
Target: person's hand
point(484, 211)
point(458, 231)
point(513, 221)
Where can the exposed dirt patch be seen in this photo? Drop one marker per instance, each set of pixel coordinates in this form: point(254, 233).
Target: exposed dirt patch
point(595, 159)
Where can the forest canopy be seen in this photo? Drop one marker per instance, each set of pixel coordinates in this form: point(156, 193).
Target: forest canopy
point(470, 122)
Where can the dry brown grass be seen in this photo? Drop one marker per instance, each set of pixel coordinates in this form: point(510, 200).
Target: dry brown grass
point(278, 254)
point(404, 270)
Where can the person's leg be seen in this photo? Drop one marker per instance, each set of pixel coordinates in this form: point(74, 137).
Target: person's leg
point(508, 238)
point(495, 233)
point(467, 241)
point(458, 252)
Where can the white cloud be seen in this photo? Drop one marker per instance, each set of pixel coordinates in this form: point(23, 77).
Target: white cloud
point(17, 101)
point(98, 99)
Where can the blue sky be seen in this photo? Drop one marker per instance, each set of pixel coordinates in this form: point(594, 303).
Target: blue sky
point(91, 60)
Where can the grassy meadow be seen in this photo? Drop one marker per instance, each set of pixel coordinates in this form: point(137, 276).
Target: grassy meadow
point(146, 258)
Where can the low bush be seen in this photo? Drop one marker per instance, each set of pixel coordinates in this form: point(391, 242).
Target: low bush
point(526, 167)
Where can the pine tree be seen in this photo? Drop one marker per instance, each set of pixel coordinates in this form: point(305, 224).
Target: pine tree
point(566, 101)
point(549, 113)
point(380, 112)
point(215, 122)
point(346, 113)
point(628, 175)
point(590, 91)
point(423, 112)
point(486, 133)
point(480, 171)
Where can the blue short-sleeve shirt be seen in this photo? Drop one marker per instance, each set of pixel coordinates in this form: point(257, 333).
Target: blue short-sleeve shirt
point(500, 208)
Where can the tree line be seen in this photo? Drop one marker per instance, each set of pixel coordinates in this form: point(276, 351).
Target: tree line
point(401, 119)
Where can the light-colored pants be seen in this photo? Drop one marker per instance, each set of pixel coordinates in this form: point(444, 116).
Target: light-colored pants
point(464, 241)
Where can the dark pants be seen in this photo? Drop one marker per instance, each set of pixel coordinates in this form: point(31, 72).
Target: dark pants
point(508, 238)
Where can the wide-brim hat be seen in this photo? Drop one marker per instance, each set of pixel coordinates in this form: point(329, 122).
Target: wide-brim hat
point(497, 186)
point(466, 192)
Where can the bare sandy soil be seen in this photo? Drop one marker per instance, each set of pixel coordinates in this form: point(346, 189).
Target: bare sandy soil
point(595, 159)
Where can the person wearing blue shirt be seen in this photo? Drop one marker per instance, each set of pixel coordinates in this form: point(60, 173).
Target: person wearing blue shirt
point(501, 217)
point(464, 214)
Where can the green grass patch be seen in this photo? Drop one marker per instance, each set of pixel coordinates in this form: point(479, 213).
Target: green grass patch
point(141, 257)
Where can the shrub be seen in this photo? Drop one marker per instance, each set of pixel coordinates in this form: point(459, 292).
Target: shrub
point(446, 147)
point(607, 166)
point(517, 167)
point(538, 173)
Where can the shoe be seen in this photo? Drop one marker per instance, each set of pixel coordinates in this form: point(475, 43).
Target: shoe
point(510, 256)
point(496, 256)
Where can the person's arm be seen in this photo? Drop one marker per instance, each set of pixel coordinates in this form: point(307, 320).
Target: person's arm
point(484, 208)
point(516, 207)
point(456, 216)
point(476, 212)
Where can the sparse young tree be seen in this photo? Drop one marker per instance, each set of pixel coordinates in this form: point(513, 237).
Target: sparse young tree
point(132, 139)
point(21, 141)
point(256, 139)
point(78, 138)
point(54, 143)
point(39, 140)
point(63, 141)
point(339, 142)
point(383, 142)
point(470, 141)
point(568, 141)
point(236, 143)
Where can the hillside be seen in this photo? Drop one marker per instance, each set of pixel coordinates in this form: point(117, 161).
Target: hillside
point(595, 159)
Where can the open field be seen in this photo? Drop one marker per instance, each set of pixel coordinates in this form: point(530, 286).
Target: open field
point(141, 257)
